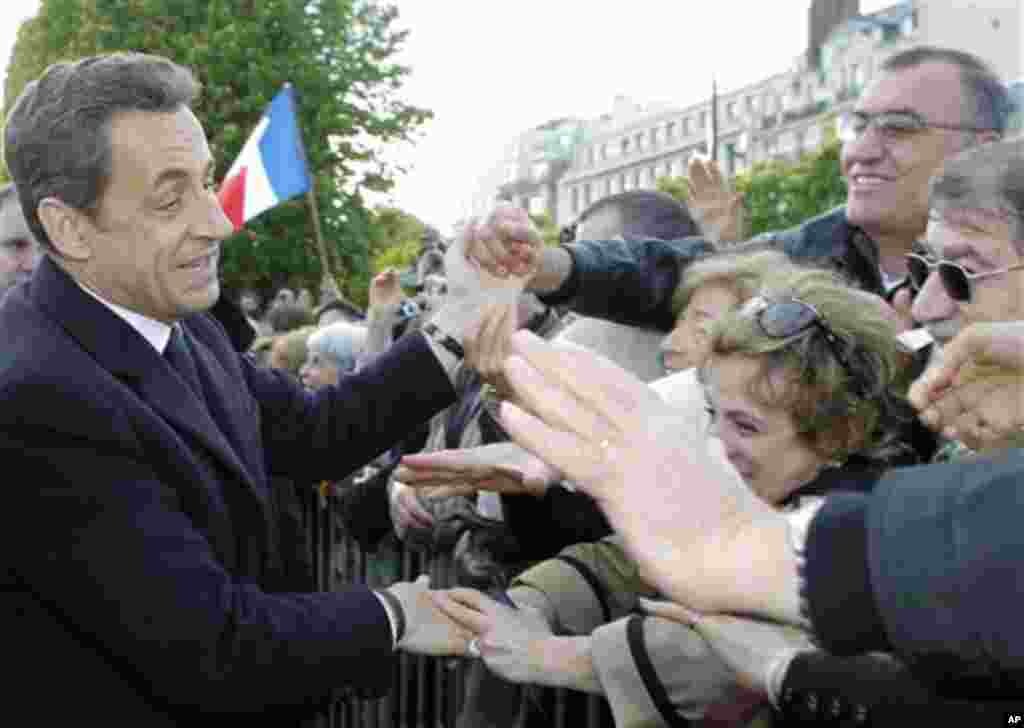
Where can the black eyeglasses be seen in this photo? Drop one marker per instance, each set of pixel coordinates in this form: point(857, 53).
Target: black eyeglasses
point(891, 125)
point(791, 316)
point(955, 278)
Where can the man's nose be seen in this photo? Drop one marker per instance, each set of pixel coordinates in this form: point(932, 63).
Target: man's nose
point(933, 302)
point(867, 147)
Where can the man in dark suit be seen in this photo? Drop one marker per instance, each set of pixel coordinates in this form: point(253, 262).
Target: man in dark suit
point(146, 577)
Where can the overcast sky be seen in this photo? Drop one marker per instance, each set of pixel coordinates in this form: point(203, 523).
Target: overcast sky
point(490, 70)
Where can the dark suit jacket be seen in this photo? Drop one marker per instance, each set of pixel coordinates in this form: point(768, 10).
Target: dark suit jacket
point(872, 690)
point(143, 579)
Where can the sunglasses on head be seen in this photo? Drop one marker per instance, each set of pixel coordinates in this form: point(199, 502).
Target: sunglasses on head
point(788, 317)
point(955, 278)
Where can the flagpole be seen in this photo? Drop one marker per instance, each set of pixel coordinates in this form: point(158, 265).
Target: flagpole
point(321, 246)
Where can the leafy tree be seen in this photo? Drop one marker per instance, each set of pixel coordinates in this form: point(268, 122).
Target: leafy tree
point(780, 195)
point(675, 186)
point(339, 54)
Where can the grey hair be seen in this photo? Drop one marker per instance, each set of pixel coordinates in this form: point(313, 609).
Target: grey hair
point(989, 177)
point(57, 138)
point(991, 104)
point(341, 342)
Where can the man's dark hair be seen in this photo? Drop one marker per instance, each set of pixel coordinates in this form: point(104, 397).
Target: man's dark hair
point(57, 139)
point(988, 95)
point(285, 317)
point(647, 214)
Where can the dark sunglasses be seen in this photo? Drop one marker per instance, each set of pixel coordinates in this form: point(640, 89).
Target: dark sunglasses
point(955, 278)
point(788, 317)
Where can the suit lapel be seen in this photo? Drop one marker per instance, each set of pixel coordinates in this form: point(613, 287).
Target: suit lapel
point(121, 350)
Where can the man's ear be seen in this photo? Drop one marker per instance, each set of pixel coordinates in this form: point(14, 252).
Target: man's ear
point(64, 226)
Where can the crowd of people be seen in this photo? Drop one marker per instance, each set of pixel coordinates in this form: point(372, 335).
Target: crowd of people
point(713, 480)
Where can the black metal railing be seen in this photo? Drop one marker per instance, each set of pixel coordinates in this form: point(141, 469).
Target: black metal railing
point(427, 692)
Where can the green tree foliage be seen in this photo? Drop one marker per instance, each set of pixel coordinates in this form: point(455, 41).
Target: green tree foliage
point(675, 186)
point(780, 195)
point(339, 54)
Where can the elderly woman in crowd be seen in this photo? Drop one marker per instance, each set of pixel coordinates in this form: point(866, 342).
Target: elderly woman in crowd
point(331, 351)
point(798, 388)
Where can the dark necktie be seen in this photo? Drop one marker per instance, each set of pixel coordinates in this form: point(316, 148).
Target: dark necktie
point(179, 355)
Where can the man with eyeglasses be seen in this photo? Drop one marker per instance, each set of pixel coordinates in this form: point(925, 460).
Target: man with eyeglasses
point(972, 269)
point(927, 104)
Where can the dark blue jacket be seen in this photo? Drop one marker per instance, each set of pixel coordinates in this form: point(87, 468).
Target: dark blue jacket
point(144, 581)
point(632, 282)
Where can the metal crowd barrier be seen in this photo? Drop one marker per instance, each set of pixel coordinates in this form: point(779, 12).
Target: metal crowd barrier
point(427, 692)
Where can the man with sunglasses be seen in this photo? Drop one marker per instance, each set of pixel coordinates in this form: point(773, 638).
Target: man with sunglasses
point(926, 105)
point(972, 266)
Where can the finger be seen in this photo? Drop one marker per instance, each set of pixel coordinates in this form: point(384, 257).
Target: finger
point(697, 174)
point(447, 491)
point(466, 607)
point(552, 400)
point(496, 339)
point(563, 449)
point(714, 173)
point(421, 478)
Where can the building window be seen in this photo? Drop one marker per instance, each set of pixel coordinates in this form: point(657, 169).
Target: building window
point(908, 24)
point(590, 156)
point(702, 120)
point(625, 146)
point(751, 104)
point(686, 127)
point(730, 111)
point(639, 142)
point(625, 183)
point(654, 138)
point(670, 132)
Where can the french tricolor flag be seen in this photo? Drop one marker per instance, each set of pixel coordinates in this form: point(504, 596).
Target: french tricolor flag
point(271, 167)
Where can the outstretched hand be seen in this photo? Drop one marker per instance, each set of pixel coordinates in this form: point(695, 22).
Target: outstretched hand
point(502, 468)
point(750, 647)
point(511, 641)
point(718, 210)
point(505, 243)
point(428, 631)
point(976, 393)
point(687, 523)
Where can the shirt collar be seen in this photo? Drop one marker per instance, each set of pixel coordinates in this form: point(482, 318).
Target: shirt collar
point(157, 333)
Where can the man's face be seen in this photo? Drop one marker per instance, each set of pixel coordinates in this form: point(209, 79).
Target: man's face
point(19, 250)
point(888, 176)
point(156, 238)
point(981, 242)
